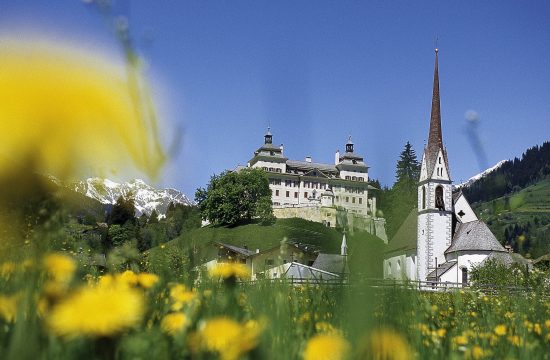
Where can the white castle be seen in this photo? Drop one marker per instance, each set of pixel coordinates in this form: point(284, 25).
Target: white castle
point(333, 194)
point(442, 240)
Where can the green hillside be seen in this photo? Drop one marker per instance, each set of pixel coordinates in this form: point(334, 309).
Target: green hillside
point(521, 219)
point(365, 250)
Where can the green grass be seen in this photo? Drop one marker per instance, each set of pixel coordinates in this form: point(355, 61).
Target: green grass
point(365, 250)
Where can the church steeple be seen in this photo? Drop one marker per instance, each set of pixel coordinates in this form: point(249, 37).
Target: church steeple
point(435, 140)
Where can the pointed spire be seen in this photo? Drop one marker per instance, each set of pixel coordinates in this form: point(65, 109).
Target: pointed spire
point(344, 246)
point(435, 140)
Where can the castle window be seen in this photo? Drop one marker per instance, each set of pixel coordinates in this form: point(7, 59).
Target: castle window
point(347, 177)
point(276, 192)
point(288, 194)
point(288, 183)
point(295, 194)
point(338, 198)
point(353, 178)
point(439, 203)
point(305, 195)
point(353, 200)
point(347, 198)
point(360, 200)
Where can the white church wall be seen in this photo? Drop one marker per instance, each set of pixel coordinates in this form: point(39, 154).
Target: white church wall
point(440, 170)
point(462, 205)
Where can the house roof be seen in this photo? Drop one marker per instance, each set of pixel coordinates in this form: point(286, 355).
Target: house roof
point(308, 166)
point(236, 249)
point(474, 236)
point(441, 269)
point(333, 263)
point(405, 238)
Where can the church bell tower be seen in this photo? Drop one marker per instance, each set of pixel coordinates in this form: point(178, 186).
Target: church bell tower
point(434, 194)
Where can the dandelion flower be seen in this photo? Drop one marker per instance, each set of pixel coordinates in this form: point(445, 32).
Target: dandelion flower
point(230, 270)
point(174, 323)
point(8, 307)
point(97, 311)
point(60, 267)
point(180, 296)
point(128, 277)
point(228, 338)
point(146, 280)
point(6, 269)
point(500, 330)
point(326, 347)
point(387, 344)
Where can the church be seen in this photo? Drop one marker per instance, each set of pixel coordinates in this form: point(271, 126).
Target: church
point(443, 239)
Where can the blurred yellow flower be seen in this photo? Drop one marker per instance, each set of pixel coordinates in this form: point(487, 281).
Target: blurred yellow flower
point(97, 311)
point(147, 280)
point(230, 270)
point(547, 324)
point(6, 269)
point(476, 353)
point(128, 277)
point(386, 344)
point(228, 338)
point(8, 307)
point(60, 267)
point(180, 296)
point(460, 340)
point(326, 347)
point(500, 330)
point(73, 111)
point(174, 323)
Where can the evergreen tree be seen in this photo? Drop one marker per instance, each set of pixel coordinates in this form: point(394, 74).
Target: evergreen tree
point(123, 211)
point(154, 217)
point(408, 168)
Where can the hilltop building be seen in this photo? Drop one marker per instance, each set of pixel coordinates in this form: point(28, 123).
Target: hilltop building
point(442, 239)
point(333, 194)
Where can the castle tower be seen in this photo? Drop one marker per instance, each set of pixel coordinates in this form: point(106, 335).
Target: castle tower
point(434, 194)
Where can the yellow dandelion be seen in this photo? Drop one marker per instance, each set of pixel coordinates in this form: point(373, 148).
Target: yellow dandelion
point(441, 332)
point(228, 338)
point(537, 329)
point(8, 307)
point(515, 340)
point(476, 353)
point(500, 330)
point(180, 296)
point(174, 323)
point(326, 347)
point(60, 267)
point(6, 269)
point(128, 277)
point(230, 270)
point(146, 280)
point(460, 340)
point(386, 344)
point(59, 100)
point(97, 311)
point(547, 324)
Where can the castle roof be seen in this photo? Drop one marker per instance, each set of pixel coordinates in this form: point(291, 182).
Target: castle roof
point(474, 236)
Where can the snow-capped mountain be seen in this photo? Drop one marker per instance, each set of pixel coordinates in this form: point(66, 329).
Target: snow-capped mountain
point(474, 178)
point(146, 197)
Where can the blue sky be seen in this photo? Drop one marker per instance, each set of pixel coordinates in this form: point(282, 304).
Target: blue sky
point(318, 71)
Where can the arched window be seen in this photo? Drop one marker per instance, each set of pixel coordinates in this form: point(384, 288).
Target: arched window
point(423, 197)
point(464, 276)
point(439, 203)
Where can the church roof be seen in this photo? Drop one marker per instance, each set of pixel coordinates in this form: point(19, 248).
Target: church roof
point(435, 138)
point(333, 263)
point(472, 236)
point(405, 238)
point(441, 269)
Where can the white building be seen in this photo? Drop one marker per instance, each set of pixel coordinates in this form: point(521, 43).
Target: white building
point(317, 191)
point(443, 239)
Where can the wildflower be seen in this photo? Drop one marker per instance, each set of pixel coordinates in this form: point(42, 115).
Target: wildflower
point(8, 307)
point(6, 269)
point(500, 330)
point(326, 347)
point(386, 344)
point(460, 340)
point(515, 340)
point(441, 332)
point(58, 100)
point(325, 327)
point(60, 267)
point(537, 329)
point(476, 353)
point(180, 296)
point(228, 338)
point(128, 277)
point(174, 323)
point(146, 280)
point(230, 270)
point(547, 324)
point(97, 311)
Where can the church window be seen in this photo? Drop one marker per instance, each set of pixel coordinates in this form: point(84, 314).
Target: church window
point(423, 197)
point(440, 160)
point(288, 194)
point(464, 276)
point(276, 192)
point(439, 203)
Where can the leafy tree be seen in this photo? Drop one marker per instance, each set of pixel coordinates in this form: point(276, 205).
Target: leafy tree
point(234, 196)
point(265, 211)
